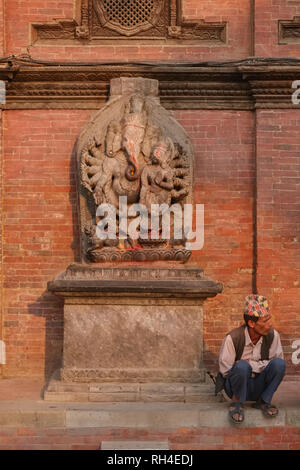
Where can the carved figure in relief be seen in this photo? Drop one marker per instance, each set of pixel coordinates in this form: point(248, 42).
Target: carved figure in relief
point(137, 160)
point(119, 171)
point(157, 177)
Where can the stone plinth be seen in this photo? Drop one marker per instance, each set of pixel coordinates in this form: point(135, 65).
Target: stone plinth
point(133, 324)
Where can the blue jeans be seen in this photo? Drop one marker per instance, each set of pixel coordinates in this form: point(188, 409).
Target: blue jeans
point(240, 383)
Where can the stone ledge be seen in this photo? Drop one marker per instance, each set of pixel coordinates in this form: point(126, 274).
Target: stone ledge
point(135, 445)
point(135, 415)
point(202, 287)
point(58, 391)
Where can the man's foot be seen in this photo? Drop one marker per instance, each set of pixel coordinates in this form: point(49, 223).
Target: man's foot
point(268, 409)
point(236, 412)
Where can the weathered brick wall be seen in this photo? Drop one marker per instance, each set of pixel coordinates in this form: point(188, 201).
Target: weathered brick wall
point(40, 232)
point(236, 12)
point(278, 220)
point(39, 217)
point(1, 161)
point(267, 14)
point(224, 179)
point(1, 270)
point(1, 27)
point(267, 438)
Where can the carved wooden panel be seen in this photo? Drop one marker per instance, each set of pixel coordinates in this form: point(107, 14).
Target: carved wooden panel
point(111, 20)
point(289, 31)
point(130, 18)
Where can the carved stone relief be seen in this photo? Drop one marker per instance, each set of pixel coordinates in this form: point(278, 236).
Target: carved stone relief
point(133, 148)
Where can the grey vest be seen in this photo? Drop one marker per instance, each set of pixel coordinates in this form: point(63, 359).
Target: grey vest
point(238, 339)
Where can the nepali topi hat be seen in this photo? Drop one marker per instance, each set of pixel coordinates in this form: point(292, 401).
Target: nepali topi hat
point(256, 306)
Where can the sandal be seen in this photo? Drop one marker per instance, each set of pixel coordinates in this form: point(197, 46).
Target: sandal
point(266, 407)
point(237, 409)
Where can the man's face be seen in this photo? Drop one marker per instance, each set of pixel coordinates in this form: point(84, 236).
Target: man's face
point(262, 326)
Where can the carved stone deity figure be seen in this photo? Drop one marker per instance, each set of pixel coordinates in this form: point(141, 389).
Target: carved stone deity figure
point(132, 148)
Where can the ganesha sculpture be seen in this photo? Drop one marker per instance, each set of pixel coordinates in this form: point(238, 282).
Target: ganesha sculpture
point(133, 150)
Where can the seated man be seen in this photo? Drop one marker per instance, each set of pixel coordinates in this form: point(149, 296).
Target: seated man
point(251, 361)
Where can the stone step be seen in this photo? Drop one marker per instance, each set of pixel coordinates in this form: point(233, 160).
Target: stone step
point(58, 391)
point(134, 415)
point(159, 416)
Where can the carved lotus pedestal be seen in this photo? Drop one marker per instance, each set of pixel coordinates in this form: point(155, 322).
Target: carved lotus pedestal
point(129, 331)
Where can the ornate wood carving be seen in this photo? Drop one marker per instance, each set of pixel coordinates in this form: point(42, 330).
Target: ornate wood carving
point(82, 31)
point(271, 87)
point(111, 20)
point(130, 18)
point(215, 32)
point(58, 29)
point(289, 31)
point(248, 84)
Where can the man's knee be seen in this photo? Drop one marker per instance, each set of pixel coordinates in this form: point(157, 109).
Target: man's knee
point(242, 367)
point(278, 365)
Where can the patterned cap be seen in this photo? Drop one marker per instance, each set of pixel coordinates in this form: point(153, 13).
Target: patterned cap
point(257, 306)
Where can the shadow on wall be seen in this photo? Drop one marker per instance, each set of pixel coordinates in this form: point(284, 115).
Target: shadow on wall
point(210, 360)
point(51, 308)
point(74, 195)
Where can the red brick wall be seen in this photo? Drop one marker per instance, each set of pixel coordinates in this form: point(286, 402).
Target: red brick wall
point(1, 28)
point(278, 220)
point(1, 53)
point(40, 216)
point(267, 14)
point(39, 211)
point(1, 161)
point(40, 232)
point(267, 438)
point(236, 12)
point(224, 181)
point(1, 271)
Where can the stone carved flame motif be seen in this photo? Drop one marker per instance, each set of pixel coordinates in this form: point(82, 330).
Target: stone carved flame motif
point(134, 159)
point(128, 17)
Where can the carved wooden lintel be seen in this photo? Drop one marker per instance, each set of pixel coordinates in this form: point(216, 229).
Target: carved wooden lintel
point(246, 85)
point(109, 21)
point(8, 71)
point(271, 86)
point(58, 29)
point(289, 31)
point(201, 31)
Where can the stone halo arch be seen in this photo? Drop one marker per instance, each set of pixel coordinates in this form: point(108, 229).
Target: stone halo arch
point(94, 133)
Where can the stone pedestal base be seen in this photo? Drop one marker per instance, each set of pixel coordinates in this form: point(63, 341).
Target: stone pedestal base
point(132, 325)
point(130, 392)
